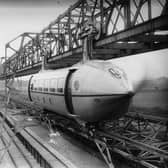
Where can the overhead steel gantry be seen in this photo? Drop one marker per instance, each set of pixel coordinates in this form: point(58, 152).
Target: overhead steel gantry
point(123, 28)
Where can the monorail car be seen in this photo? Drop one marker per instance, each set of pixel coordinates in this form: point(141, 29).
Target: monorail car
point(93, 91)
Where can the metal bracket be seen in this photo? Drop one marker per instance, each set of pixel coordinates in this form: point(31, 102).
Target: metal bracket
point(105, 152)
point(88, 33)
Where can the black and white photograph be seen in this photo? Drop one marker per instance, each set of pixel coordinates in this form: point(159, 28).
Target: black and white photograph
point(83, 84)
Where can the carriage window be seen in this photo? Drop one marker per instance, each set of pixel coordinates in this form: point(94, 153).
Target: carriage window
point(50, 100)
point(60, 85)
point(52, 89)
point(40, 88)
point(19, 82)
point(33, 85)
point(45, 89)
point(46, 84)
point(43, 100)
point(40, 85)
point(53, 85)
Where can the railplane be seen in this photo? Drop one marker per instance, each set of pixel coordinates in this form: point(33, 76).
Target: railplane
point(92, 91)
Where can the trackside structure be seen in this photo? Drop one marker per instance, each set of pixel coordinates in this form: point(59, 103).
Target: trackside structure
point(122, 28)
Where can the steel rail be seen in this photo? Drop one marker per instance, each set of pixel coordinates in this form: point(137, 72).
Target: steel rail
point(120, 143)
point(134, 143)
point(28, 158)
point(42, 152)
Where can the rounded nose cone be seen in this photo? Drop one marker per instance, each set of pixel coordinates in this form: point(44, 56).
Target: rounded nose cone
point(136, 71)
point(110, 85)
point(99, 94)
point(101, 82)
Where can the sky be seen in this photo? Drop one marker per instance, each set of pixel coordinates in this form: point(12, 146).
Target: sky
point(19, 16)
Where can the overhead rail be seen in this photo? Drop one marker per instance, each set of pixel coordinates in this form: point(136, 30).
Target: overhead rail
point(123, 28)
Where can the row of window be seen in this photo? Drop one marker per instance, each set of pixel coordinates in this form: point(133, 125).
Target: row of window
point(48, 85)
point(43, 99)
point(47, 89)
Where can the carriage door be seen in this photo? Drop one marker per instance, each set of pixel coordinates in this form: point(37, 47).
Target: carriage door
point(68, 92)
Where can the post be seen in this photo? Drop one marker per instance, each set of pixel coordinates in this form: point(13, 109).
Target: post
point(87, 36)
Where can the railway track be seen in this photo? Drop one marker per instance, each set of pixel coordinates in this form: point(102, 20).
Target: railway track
point(16, 153)
point(32, 150)
point(141, 139)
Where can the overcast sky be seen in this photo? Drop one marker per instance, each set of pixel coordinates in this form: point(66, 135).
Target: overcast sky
point(19, 16)
point(35, 3)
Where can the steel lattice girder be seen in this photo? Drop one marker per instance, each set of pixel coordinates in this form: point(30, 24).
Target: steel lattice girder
point(119, 23)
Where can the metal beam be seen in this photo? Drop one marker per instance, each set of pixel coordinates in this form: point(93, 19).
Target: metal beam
point(67, 54)
point(126, 45)
point(150, 26)
point(60, 41)
point(151, 38)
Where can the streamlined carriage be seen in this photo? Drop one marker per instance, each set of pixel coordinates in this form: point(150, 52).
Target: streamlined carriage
point(94, 91)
